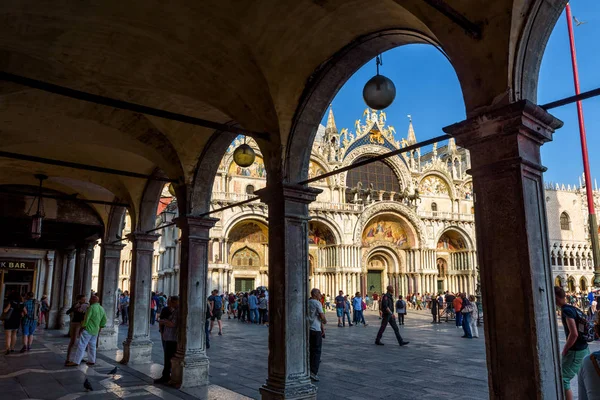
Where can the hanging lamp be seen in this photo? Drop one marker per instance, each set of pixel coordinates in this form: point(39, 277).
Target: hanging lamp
point(379, 92)
point(38, 217)
point(244, 155)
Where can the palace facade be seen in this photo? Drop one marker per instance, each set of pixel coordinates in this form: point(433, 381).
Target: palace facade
point(406, 221)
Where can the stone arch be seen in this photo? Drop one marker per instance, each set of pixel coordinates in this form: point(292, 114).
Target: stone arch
point(149, 204)
point(558, 281)
point(451, 189)
point(393, 256)
point(244, 217)
point(415, 225)
point(246, 257)
point(325, 83)
point(571, 283)
point(331, 225)
point(461, 232)
point(583, 283)
point(535, 33)
point(206, 170)
point(397, 164)
point(116, 223)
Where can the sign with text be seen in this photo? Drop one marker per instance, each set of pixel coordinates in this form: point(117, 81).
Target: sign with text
point(17, 265)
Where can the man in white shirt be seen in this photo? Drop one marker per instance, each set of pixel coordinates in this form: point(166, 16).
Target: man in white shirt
point(316, 318)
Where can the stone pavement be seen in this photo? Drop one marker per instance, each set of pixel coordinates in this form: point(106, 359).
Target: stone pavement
point(437, 364)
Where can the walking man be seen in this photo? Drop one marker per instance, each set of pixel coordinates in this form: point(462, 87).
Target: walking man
point(388, 316)
point(253, 307)
point(216, 303)
point(316, 318)
point(168, 333)
point(340, 305)
point(95, 319)
point(31, 311)
point(576, 348)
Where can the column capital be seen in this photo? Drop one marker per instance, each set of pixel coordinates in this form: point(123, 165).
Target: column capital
point(506, 127)
point(144, 241)
point(199, 227)
point(112, 250)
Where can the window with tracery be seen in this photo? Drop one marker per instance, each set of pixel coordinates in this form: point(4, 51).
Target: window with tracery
point(565, 222)
point(377, 176)
point(250, 189)
point(434, 208)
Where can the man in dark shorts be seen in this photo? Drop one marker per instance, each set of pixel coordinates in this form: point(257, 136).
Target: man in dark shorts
point(216, 304)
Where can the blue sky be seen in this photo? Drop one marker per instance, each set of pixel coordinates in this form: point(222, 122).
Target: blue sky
point(428, 90)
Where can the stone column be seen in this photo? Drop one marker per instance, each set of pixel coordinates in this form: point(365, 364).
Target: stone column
point(78, 277)
point(288, 374)
point(110, 260)
point(56, 291)
point(88, 268)
point(137, 348)
point(49, 275)
point(510, 213)
point(67, 299)
point(190, 365)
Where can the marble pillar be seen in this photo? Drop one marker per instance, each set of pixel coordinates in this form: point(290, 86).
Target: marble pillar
point(190, 364)
point(88, 268)
point(110, 260)
point(49, 275)
point(510, 213)
point(69, 287)
point(56, 291)
point(137, 348)
point(78, 273)
point(288, 369)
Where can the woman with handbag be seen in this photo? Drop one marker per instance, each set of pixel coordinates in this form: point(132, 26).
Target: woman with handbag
point(474, 315)
point(11, 316)
point(466, 310)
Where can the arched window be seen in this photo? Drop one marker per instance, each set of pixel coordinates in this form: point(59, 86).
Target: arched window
point(239, 262)
point(377, 176)
point(434, 208)
point(250, 261)
point(565, 222)
point(250, 189)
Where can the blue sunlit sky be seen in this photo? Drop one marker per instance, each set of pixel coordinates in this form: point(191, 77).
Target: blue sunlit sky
point(428, 90)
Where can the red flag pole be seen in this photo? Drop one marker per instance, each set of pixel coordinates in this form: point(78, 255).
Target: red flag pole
point(593, 224)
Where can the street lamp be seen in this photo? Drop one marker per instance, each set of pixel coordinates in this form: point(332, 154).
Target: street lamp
point(244, 155)
point(379, 91)
point(38, 217)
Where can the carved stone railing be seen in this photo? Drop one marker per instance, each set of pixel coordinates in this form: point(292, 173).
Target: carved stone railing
point(446, 215)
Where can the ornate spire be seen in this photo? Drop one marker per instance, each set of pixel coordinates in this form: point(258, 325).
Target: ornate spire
point(411, 137)
point(331, 128)
point(451, 146)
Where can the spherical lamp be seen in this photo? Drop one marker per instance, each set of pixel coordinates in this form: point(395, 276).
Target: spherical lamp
point(172, 190)
point(379, 92)
point(244, 155)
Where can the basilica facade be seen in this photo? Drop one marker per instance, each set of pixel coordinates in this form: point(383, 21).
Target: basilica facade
point(407, 221)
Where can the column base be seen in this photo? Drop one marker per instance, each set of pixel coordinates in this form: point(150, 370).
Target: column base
point(300, 391)
point(189, 370)
point(108, 338)
point(137, 351)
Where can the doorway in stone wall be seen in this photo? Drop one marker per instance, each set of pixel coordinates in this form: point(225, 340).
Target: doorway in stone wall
point(244, 284)
point(374, 282)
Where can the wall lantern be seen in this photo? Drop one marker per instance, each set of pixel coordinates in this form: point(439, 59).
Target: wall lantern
point(379, 92)
point(38, 217)
point(244, 155)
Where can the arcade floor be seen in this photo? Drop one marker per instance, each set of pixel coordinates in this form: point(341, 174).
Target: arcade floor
point(437, 364)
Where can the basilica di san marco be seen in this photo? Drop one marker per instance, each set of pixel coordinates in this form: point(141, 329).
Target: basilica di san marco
point(407, 221)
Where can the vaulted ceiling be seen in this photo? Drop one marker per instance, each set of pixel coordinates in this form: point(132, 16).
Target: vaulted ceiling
point(242, 62)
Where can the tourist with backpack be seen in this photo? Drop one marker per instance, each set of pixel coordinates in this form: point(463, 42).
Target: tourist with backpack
point(216, 304)
point(576, 347)
point(400, 310)
point(30, 313)
point(11, 317)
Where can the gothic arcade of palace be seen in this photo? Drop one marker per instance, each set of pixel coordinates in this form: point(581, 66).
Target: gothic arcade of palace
point(407, 221)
